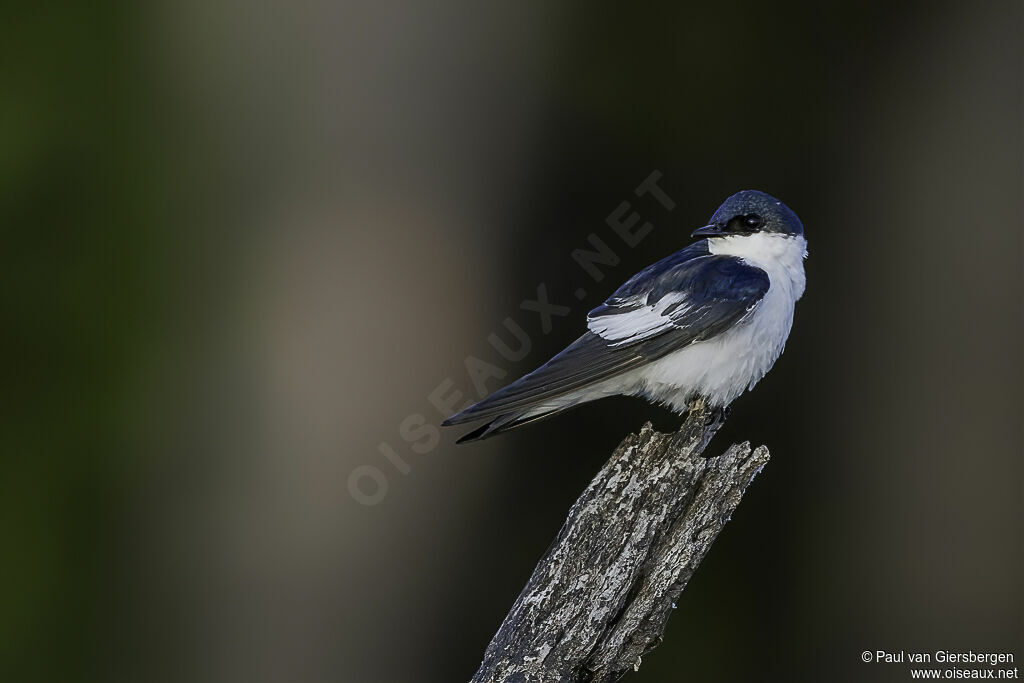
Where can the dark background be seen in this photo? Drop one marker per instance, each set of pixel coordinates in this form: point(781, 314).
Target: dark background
point(242, 242)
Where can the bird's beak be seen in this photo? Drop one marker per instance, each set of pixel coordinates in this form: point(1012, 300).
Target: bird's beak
point(708, 231)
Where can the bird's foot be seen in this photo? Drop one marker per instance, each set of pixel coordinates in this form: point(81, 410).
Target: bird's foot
point(717, 415)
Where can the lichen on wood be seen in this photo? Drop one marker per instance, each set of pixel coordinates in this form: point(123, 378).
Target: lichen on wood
point(600, 598)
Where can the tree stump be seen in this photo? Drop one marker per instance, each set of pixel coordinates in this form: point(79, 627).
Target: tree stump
point(600, 598)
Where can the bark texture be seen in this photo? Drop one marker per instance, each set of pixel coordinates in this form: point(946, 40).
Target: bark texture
point(600, 598)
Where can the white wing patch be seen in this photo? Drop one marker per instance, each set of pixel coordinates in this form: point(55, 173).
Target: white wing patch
point(641, 323)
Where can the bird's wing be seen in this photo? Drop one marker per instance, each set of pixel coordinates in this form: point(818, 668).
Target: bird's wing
point(688, 297)
point(692, 300)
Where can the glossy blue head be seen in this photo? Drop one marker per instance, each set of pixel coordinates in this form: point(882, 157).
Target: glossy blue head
point(749, 212)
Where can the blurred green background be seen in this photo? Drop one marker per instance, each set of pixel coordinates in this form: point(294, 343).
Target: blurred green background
point(243, 242)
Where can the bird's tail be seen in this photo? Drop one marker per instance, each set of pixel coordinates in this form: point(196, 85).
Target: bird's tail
point(507, 421)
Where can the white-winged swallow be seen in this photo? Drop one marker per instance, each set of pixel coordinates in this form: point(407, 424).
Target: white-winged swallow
point(708, 321)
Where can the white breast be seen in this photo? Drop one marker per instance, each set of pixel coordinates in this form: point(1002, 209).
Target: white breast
point(721, 368)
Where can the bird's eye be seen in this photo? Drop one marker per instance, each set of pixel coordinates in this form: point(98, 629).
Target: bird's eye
point(752, 220)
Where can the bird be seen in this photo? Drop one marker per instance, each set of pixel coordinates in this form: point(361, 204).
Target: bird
point(708, 321)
